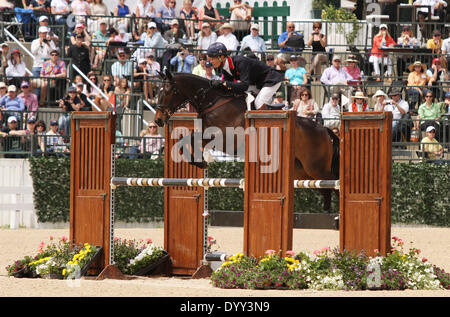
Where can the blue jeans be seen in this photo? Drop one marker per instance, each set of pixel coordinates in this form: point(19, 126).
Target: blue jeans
point(36, 71)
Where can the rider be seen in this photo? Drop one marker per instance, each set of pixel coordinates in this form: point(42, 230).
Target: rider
point(241, 74)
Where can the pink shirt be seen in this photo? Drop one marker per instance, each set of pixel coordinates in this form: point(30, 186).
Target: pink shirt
point(355, 73)
point(80, 7)
point(30, 100)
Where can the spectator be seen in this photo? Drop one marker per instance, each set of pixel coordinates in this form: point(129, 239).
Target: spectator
point(85, 105)
point(165, 14)
point(279, 100)
point(227, 37)
point(286, 39)
point(209, 14)
point(297, 77)
point(445, 105)
point(446, 51)
point(352, 68)
point(144, 12)
point(406, 40)
point(270, 60)
point(99, 8)
point(72, 100)
point(200, 69)
point(436, 10)
point(241, 15)
point(80, 8)
point(417, 80)
point(399, 109)
point(91, 92)
point(51, 36)
point(123, 36)
point(64, 118)
point(429, 114)
point(359, 103)
point(79, 53)
point(141, 78)
point(430, 145)
point(331, 112)
point(155, 40)
point(54, 68)
point(100, 38)
point(206, 37)
point(209, 72)
point(183, 61)
point(380, 98)
point(30, 100)
point(189, 17)
point(11, 143)
point(78, 80)
point(336, 131)
point(306, 106)
point(12, 104)
point(41, 48)
point(152, 142)
point(54, 140)
point(80, 30)
point(3, 90)
point(4, 56)
point(60, 8)
point(382, 39)
point(122, 93)
point(435, 43)
point(121, 68)
point(40, 6)
point(40, 131)
point(253, 41)
point(108, 88)
point(16, 68)
point(437, 75)
point(336, 77)
point(121, 10)
point(175, 34)
point(280, 63)
point(318, 42)
point(153, 69)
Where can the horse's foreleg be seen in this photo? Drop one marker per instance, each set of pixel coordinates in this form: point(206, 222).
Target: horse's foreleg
point(326, 193)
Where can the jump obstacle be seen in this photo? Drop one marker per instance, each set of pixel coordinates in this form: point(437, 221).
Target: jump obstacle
point(364, 186)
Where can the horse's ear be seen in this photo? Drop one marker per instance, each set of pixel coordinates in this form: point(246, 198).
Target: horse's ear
point(162, 75)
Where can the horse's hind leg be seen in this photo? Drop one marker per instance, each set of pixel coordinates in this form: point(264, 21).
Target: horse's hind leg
point(326, 193)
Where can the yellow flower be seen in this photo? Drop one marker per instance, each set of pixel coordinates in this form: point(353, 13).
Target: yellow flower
point(64, 272)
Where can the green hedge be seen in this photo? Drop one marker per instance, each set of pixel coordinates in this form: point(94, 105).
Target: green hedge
point(420, 192)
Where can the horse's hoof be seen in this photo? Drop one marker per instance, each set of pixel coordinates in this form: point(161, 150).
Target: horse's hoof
point(336, 222)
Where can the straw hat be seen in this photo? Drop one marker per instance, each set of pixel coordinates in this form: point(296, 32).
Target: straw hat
point(417, 63)
point(227, 26)
point(359, 94)
point(379, 93)
point(352, 58)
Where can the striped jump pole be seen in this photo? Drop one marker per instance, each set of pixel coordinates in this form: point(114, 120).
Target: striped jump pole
point(190, 182)
point(212, 182)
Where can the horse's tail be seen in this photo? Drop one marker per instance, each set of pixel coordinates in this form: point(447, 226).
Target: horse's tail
point(335, 158)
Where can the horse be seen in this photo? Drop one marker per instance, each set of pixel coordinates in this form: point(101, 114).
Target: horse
point(316, 147)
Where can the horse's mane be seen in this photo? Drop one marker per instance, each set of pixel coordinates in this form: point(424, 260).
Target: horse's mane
point(189, 76)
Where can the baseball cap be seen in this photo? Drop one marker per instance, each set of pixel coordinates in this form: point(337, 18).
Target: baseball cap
point(43, 18)
point(151, 25)
point(431, 128)
point(53, 122)
point(11, 119)
point(254, 26)
point(79, 25)
point(205, 24)
point(336, 57)
point(31, 120)
point(43, 29)
point(12, 88)
point(383, 26)
point(436, 60)
point(80, 83)
point(72, 89)
point(5, 44)
point(2, 84)
point(24, 84)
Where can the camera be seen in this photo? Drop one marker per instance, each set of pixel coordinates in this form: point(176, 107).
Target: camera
point(45, 41)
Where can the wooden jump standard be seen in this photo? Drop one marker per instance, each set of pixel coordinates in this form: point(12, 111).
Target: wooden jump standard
point(268, 216)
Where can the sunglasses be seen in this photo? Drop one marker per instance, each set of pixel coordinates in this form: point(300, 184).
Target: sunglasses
point(291, 27)
point(107, 79)
point(152, 126)
point(93, 78)
point(428, 96)
point(270, 59)
point(304, 95)
point(318, 28)
point(54, 54)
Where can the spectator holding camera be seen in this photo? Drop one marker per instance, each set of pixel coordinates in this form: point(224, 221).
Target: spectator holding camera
point(79, 53)
point(183, 61)
point(41, 48)
point(318, 42)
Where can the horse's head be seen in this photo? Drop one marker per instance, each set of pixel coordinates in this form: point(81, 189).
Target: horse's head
point(170, 99)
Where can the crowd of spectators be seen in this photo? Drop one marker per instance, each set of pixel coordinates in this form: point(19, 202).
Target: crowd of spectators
point(123, 58)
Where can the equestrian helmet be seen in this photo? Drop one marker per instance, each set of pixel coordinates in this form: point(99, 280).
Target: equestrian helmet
point(217, 49)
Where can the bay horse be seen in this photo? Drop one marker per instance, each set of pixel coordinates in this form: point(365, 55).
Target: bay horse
point(316, 147)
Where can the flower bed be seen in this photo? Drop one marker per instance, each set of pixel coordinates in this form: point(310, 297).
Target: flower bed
point(58, 259)
point(332, 269)
point(137, 257)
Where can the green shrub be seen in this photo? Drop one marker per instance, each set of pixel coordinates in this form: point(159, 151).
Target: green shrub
point(419, 192)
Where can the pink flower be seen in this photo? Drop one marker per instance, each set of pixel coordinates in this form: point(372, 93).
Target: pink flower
point(376, 251)
point(51, 237)
point(395, 238)
point(325, 249)
point(424, 260)
point(270, 252)
point(148, 240)
point(316, 252)
point(64, 239)
point(290, 253)
point(116, 239)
